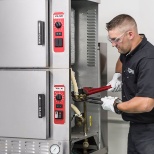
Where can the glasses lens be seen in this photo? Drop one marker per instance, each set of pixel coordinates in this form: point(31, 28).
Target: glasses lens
point(116, 40)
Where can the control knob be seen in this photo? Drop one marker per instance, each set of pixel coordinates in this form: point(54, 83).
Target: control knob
point(58, 97)
point(58, 24)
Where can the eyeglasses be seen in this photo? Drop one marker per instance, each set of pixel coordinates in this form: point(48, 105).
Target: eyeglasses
point(116, 40)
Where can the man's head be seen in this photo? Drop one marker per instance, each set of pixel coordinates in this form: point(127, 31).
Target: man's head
point(123, 33)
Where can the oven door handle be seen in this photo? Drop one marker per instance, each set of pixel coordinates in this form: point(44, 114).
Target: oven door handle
point(41, 105)
point(41, 33)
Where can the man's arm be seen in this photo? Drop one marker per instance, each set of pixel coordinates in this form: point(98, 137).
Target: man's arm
point(118, 68)
point(137, 105)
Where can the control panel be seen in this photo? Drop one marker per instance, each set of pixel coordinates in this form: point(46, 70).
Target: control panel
point(59, 104)
point(58, 31)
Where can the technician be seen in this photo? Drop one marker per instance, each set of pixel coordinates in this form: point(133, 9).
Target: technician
point(135, 76)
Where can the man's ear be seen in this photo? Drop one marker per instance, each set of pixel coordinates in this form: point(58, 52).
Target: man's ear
point(130, 35)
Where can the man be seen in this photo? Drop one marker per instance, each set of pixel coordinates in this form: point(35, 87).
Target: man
point(136, 67)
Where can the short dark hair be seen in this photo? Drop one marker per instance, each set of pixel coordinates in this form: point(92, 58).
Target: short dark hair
point(119, 20)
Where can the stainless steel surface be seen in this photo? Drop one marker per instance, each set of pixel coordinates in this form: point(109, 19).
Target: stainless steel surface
point(104, 114)
point(27, 146)
point(19, 33)
point(95, 110)
point(72, 36)
point(95, 1)
point(89, 69)
point(60, 132)
point(87, 66)
point(60, 60)
point(87, 60)
point(29, 66)
point(101, 151)
point(80, 136)
point(19, 104)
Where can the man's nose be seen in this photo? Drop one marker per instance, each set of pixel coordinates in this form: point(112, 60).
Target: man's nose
point(113, 44)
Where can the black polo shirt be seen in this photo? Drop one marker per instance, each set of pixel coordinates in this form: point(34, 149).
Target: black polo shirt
point(138, 79)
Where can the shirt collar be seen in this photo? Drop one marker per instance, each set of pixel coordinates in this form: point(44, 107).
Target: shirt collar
point(139, 46)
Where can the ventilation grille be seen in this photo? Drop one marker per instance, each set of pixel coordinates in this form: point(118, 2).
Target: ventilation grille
point(91, 38)
point(43, 148)
point(16, 147)
point(24, 147)
point(3, 146)
point(29, 147)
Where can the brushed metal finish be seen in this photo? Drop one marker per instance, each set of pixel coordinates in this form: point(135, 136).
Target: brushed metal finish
point(29, 146)
point(95, 1)
point(59, 131)
point(60, 60)
point(85, 45)
point(89, 68)
point(19, 104)
point(103, 114)
point(43, 133)
point(102, 151)
point(19, 33)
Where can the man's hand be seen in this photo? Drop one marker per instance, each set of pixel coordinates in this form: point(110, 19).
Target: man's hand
point(116, 83)
point(108, 103)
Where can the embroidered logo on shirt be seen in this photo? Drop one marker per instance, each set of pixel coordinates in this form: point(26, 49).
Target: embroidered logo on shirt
point(130, 71)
